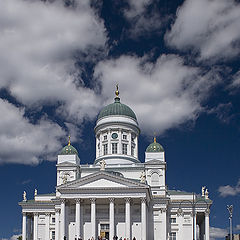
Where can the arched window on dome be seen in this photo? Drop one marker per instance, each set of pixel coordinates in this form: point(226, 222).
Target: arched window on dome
point(155, 180)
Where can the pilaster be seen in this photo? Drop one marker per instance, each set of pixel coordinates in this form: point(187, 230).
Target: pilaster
point(128, 218)
point(77, 217)
point(143, 219)
point(47, 225)
point(111, 218)
point(57, 218)
point(93, 216)
point(62, 227)
point(35, 226)
point(24, 226)
point(207, 212)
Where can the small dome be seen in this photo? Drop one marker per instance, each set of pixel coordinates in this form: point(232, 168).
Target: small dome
point(69, 149)
point(155, 147)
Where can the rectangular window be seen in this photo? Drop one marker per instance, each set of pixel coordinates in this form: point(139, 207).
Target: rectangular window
point(124, 149)
point(53, 235)
point(172, 236)
point(173, 220)
point(114, 148)
point(105, 149)
point(105, 137)
point(53, 220)
point(124, 137)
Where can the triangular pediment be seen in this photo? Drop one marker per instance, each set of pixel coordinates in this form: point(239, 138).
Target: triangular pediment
point(102, 179)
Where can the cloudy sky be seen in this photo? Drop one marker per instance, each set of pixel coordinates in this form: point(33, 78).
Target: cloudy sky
point(177, 66)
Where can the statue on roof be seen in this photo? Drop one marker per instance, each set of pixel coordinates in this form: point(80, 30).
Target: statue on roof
point(35, 192)
point(24, 196)
point(206, 194)
point(143, 177)
point(203, 191)
point(102, 165)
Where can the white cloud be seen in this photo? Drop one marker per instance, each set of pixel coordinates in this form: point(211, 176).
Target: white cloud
point(228, 190)
point(237, 227)
point(23, 142)
point(222, 111)
point(236, 80)
point(209, 27)
point(136, 8)
point(37, 44)
point(164, 94)
point(14, 237)
point(140, 20)
point(216, 233)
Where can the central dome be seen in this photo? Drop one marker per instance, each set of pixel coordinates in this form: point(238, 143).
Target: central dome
point(117, 108)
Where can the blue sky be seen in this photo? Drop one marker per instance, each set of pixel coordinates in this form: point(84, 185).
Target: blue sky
point(177, 65)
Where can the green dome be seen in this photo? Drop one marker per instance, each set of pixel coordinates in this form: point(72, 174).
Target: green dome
point(69, 150)
point(155, 147)
point(117, 108)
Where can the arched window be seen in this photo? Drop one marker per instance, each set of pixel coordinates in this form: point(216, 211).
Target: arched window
point(155, 179)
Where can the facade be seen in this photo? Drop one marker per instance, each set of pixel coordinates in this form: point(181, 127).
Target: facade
point(116, 195)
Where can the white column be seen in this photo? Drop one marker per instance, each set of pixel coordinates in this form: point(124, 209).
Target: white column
point(180, 234)
point(29, 227)
point(57, 218)
point(120, 141)
point(93, 216)
point(62, 227)
point(47, 224)
point(195, 226)
point(127, 218)
point(111, 218)
point(35, 226)
point(129, 136)
point(77, 218)
point(101, 145)
point(143, 219)
point(207, 225)
point(109, 141)
point(24, 226)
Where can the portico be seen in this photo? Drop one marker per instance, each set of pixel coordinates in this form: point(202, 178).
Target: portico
point(114, 208)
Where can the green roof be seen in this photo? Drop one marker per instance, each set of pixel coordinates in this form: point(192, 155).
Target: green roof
point(69, 150)
point(155, 147)
point(117, 108)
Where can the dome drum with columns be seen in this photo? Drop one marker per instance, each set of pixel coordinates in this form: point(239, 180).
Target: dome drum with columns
point(115, 194)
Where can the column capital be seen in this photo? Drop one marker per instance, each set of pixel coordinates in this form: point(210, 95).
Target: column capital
point(47, 214)
point(143, 199)
point(111, 199)
point(57, 210)
point(180, 212)
point(78, 200)
point(207, 212)
point(24, 214)
point(127, 199)
point(35, 213)
point(62, 200)
point(92, 200)
point(163, 210)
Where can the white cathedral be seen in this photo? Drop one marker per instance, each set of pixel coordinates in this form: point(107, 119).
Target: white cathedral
point(117, 196)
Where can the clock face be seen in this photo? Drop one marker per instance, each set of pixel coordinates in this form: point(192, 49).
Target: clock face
point(114, 135)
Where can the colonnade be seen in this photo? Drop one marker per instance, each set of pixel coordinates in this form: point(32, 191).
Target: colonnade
point(29, 226)
point(60, 220)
